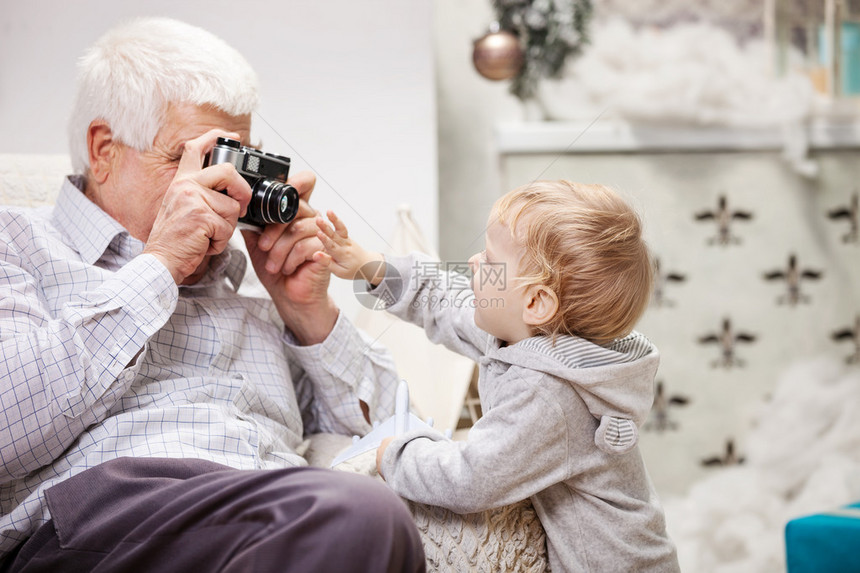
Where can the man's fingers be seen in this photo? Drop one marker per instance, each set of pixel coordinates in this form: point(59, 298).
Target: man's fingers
point(221, 177)
point(278, 254)
point(195, 150)
point(287, 254)
point(221, 231)
point(286, 235)
point(301, 252)
point(304, 182)
point(305, 210)
point(225, 207)
point(324, 259)
point(224, 177)
point(270, 234)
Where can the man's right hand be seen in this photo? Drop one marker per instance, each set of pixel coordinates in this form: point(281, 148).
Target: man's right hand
point(194, 221)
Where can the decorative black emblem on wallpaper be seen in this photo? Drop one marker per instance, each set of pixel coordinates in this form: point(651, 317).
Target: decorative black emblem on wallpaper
point(661, 280)
point(793, 275)
point(727, 339)
point(850, 213)
point(723, 216)
point(659, 418)
point(727, 458)
point(853, 335)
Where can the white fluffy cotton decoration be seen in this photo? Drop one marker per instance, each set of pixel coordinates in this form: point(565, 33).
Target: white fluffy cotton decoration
point(688, 74)
point(694, 73)
point(803, 457)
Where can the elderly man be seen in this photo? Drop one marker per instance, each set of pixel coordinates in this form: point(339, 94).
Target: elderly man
point(151, 416)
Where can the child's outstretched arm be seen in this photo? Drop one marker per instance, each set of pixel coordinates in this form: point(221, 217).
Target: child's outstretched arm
point(344, 257)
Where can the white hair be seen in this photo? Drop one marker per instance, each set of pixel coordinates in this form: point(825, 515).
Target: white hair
point(132, 73)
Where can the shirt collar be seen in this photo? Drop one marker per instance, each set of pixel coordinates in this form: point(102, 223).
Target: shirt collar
point(235, 266)
point(92, 231)
point(87, 226)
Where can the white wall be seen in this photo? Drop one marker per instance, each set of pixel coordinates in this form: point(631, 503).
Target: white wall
point(347, 91)
point(469, 108)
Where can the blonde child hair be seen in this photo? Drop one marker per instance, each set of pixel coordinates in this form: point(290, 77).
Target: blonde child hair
point(584, 242)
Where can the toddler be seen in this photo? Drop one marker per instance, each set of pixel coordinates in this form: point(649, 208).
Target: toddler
point(564, 381)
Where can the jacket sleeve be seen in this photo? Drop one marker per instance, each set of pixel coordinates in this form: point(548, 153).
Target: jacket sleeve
point(442, 303)
point(518, 448)
point(62, 369)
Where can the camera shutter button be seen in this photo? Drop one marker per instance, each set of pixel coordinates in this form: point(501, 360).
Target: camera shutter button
point(227, 142)
point(276, 156)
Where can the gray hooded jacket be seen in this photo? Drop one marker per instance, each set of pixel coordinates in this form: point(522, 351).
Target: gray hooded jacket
point(559, 426)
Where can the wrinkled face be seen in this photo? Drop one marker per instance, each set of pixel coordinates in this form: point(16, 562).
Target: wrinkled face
point(499, 304)
point(139, 180)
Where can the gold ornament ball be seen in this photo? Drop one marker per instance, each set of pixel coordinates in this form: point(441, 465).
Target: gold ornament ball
point(497, 55)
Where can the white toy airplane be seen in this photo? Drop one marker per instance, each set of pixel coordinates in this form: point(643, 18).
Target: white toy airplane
point(401, 422)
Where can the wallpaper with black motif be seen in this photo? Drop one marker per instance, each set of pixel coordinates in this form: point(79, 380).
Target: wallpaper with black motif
point(755, 267)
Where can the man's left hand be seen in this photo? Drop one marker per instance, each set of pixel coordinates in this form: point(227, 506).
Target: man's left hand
point(283, 259)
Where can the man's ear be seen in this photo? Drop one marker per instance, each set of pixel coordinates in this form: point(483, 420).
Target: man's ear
point(541, 305)
point(101, 148)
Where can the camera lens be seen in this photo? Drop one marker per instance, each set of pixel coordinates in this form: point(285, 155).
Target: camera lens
point(273, 202)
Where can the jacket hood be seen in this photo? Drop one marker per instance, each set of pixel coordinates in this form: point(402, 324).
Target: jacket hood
point(615, 382)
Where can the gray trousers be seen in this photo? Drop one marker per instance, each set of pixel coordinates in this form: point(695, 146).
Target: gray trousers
point(155, 514)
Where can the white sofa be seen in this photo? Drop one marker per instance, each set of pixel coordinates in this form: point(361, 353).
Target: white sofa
point(504, 539)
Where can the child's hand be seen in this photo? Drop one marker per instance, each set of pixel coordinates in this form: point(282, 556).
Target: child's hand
point(345, 258)
point(380, 451)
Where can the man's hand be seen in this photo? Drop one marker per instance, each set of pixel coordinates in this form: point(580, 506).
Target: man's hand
point(283, 258)
point(195, 221)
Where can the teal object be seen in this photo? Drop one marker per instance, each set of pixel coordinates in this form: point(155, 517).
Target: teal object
point(851, 58)
point(825, 542)
point(850, 40)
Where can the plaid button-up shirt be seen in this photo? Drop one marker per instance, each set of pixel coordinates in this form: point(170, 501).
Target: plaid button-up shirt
point(102, 356)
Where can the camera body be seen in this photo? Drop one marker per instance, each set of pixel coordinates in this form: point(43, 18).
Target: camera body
point(272, 199)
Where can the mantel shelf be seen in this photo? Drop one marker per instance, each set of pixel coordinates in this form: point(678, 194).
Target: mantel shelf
point(616, 136)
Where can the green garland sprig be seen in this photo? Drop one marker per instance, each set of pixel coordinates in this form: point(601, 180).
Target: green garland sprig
point(550, 31)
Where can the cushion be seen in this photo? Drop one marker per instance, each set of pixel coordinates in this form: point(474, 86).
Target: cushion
point(508, 538)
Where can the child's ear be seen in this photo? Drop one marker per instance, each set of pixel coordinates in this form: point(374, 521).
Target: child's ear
point(541, 305)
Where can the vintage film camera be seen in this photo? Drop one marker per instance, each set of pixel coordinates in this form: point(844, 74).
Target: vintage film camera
point(272, 199)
